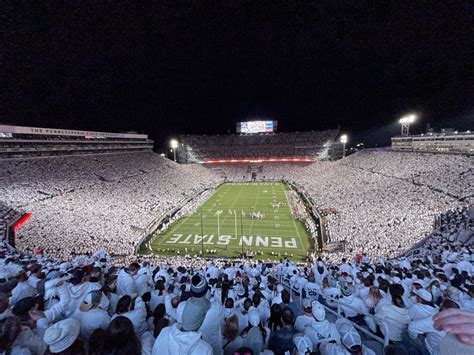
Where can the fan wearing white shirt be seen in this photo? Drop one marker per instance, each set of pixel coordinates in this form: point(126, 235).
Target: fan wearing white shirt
point(90, 316)
point(302, 321)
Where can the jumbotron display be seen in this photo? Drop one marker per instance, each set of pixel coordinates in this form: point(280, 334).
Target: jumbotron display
point(250, 127)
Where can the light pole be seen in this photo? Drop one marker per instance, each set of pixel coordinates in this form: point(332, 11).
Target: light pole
point(405, 122)
point(174, 145)
point(344, 141)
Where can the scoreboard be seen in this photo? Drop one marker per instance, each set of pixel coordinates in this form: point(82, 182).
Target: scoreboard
point(250, 127)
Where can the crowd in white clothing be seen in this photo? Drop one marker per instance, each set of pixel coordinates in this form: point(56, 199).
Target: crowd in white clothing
point(275, 145)
point(90, 212)
point(178, 306)
point(79, 204)
point(383, 202)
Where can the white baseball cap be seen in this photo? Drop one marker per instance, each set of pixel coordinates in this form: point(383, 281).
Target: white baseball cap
point(318, 311)
point(423, 294)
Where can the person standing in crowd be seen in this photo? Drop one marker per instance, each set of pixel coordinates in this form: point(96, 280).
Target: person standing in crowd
point(321, 330)
point(231, 339)
point(351, 342)
point(302, 321)
point(62, 338)
point(282, 340)
point(185, 338)
point(90, 316)
point(126, 280)
point(395, 315)
point(121, 338)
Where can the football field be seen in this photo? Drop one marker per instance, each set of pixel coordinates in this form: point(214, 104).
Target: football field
point(224, 227)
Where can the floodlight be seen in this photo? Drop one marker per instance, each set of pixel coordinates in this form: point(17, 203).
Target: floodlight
point(344, 138)
point(405, 122)
point(174, 143)
point(408, 118)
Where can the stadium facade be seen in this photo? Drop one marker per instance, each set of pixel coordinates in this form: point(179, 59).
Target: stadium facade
point(453, 142)
point(20, 141)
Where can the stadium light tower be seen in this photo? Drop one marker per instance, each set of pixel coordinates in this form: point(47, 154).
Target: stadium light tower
point(174, 145)
point(344, 141)
point(405, 122)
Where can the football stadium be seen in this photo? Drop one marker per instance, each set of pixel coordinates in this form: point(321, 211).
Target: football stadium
point(258, 178)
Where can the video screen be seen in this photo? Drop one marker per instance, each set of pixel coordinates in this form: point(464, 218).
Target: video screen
point(256, 127)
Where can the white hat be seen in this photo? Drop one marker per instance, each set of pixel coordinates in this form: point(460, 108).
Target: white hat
point(61, 335)
point(303, 343)
point(452, 257)
point(318, 311)
point(350, 337)
point(90, 299)
point(307, 303)
point(240, 291)
point(64, 266)
point(254, 318)
point(50, 288)
point(279, 288)
point(422, 293)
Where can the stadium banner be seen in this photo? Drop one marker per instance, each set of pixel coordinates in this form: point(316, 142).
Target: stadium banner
point(7, 131)
point(21, 221)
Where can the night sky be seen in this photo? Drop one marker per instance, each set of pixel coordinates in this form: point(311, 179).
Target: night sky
point(199, 66)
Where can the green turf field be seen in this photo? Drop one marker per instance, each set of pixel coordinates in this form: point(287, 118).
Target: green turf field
point(277, 232)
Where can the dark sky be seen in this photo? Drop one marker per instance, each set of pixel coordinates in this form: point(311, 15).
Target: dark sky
point(199, 66)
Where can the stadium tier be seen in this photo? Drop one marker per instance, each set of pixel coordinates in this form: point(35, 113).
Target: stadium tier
point(18, 142)
point(241, 148)
point(404, 219)
point(452, 142)
point(81, 203)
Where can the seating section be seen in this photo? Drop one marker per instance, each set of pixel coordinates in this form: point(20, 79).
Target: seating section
point(406, 219)
point(82, 203)
point(275, 145)
point(379, 202)
point(266, 308)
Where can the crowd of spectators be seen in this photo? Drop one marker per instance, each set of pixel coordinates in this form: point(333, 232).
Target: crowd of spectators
point(448, 173)
point(274, 145)
point(382, 202)
point(83, 203)
point(89, 305)
point(77, 299)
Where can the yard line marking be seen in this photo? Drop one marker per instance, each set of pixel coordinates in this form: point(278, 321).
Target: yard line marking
point(253, 219)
